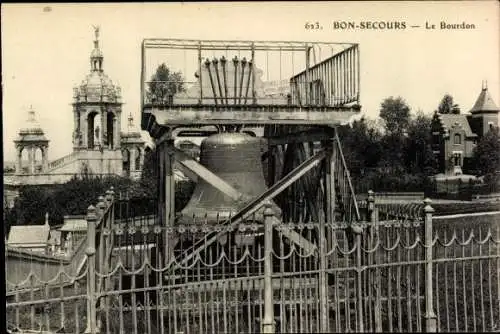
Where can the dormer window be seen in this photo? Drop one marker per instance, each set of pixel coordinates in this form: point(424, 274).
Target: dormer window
point(457, 139)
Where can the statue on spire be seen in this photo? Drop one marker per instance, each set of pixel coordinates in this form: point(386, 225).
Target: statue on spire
point(96, 32)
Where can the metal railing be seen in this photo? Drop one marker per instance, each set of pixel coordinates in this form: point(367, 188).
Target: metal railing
point(63, 160)
point(386, 274)
point(332, 82)
point(256, 73)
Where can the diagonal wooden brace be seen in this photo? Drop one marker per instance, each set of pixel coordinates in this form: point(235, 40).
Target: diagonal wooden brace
point(193, 169)
point(258, 202)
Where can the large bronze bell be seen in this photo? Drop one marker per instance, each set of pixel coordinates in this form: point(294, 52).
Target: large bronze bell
point(236, 158)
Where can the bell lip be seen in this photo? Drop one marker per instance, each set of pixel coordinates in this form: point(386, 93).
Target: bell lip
point(218, 217)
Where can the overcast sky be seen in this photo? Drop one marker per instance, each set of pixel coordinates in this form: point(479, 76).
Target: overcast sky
point(45, 51)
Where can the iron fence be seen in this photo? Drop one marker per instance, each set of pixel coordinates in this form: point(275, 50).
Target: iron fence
point(392, 272)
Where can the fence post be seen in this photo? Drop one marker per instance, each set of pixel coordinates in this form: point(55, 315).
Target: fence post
point(430, 320)
point(268, 321)
point(358, 230)
point(90, 251)
point(101, 208)
point(375, 236)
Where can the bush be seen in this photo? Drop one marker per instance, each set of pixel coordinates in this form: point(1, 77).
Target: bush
point(380, 181)
point(71, 198)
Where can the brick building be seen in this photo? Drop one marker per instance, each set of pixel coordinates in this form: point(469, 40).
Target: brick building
point(454, 136)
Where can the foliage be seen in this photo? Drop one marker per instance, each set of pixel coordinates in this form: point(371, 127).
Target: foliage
point(400, 159)
point(149, 182)
point(164, 84)
point(361, 145)
point(71, 198)
point(419, 157)
point(149, 176)
point(396, 115)
point(487, 153)
point(447, 105)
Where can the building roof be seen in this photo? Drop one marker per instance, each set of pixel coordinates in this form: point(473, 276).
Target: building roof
point(449, 121)
point(74, 225)
point(484, 102)
point(32, 131)
point(26, 235)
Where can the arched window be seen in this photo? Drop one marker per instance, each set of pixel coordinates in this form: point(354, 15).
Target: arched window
point(126, 162)
point(457, 139)
point(138, 159)
point(110, 135)
point(93, 129)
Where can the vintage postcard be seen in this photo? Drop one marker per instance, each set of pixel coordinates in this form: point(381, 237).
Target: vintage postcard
point(251, 167)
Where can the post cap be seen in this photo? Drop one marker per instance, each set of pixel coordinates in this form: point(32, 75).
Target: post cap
point(91, 213)
point(356, 228)
point(428, 208)
point(371, 196)
point(90, 251)
point(268, 211)
point(101, 205)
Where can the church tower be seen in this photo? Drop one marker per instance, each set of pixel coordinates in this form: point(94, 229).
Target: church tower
point(31, 138)
point(484, 113)
point(97, 108)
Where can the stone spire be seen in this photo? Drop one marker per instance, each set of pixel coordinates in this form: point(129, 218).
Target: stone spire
point(484, 102)
point(96, 57)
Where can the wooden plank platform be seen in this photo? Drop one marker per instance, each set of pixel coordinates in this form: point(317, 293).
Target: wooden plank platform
point(183, 115)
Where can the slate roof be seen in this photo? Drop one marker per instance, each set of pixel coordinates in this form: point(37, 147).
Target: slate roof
point(75, 224)
point(484, 102)
point(26, 235)
point(450, 120)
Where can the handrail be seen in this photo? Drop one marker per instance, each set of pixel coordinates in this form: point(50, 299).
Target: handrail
point(58, 162)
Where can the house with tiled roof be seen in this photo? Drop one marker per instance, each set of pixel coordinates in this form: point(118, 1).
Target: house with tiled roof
point(454, 136)
point(30, 237)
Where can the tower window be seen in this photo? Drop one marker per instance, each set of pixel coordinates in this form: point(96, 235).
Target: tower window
point(457, 139)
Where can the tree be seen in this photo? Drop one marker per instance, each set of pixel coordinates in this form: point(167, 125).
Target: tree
point(418, 151)
point(396, 115)
point(447, 106)
point(360, 145)
point(70, 198)
point(164, 84)
point(487, 153)
point(149, 176)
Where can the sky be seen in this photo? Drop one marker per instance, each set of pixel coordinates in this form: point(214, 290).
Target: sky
point(46, 48)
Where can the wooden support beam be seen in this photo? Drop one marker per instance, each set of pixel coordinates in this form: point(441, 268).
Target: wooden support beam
point(301, 137)
point(298, 239)
point(186, 171)
point(166, 116)
point(194, 167)
point(169, 198)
